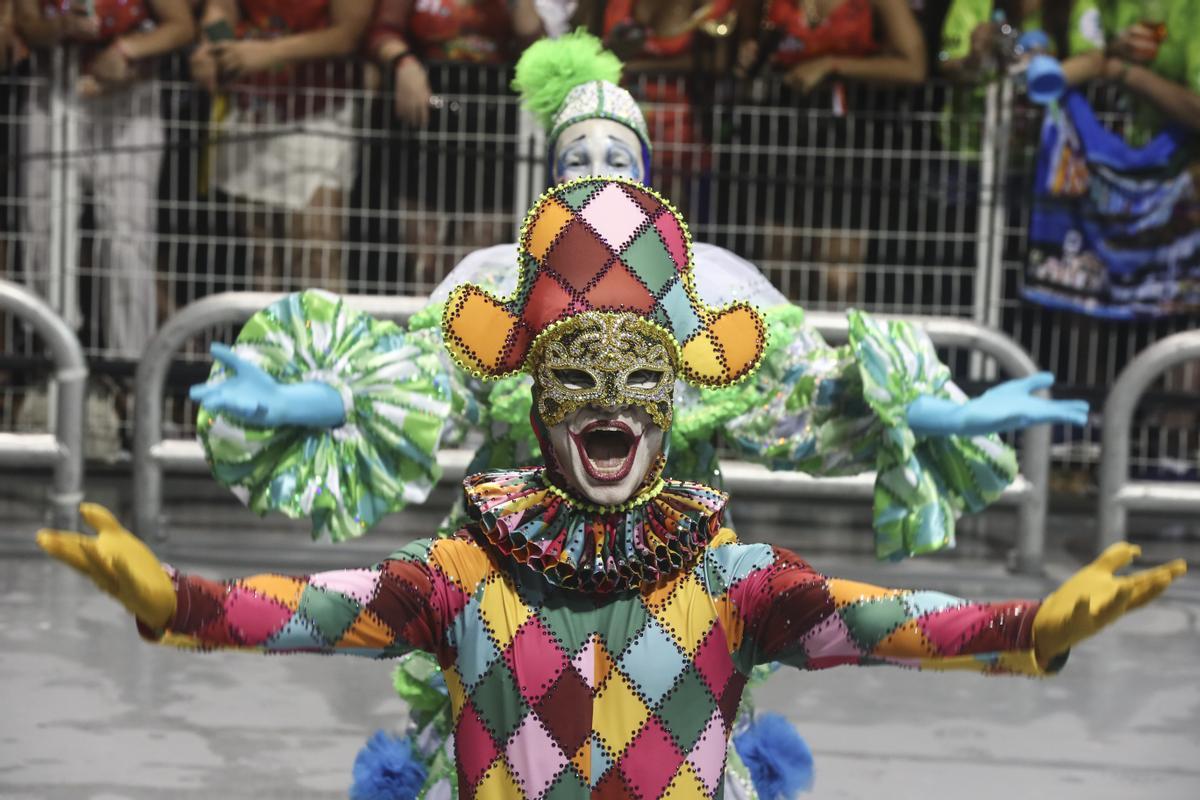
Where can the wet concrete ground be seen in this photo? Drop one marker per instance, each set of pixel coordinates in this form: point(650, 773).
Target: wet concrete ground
point(87, 710)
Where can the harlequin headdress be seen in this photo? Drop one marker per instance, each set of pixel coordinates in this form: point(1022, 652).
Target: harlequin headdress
point(602, 245)
point(573, 78)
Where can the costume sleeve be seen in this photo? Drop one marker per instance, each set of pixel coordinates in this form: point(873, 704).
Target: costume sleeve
point(401, 604)
point(400, 391)
point(963, 17)
point(776, 607)
point(840, 411)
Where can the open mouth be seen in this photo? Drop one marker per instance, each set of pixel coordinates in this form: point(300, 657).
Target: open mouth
point(607, 448)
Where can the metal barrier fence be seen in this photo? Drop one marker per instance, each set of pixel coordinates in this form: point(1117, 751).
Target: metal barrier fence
point(896, 201)
point(1119, 494)
point(154, 454)
point(62, 447)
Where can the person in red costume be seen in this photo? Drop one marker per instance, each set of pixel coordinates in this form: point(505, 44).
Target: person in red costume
point(877, 41)
point(405, 39)
point(281, 61)
point(116, 107)
point(407, 33)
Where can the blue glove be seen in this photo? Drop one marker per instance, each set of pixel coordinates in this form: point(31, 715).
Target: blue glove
point(1007, 407)
point(253, 397)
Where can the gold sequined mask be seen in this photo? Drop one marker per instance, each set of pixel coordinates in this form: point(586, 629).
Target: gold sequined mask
point(605, 359)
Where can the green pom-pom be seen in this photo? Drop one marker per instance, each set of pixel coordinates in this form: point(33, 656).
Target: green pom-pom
point(550, 68)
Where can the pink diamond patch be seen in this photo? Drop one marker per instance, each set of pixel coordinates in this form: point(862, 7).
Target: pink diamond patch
point(672, 236)
point(713, 661)
point(948, 629)
point(357, 583)
point(830, 639)
point(708, 754)
point(651, 760)
point(253, 616)
point(585, 663)
point(534, 758)
point(614, 216)
point(536, 660)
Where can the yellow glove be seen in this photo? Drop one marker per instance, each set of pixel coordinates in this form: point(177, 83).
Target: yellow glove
point(1094, 597)
point(118, 562)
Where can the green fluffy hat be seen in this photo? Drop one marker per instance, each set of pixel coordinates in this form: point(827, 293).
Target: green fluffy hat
point(572, 78)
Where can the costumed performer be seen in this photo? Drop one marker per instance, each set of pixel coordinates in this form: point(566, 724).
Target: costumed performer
point(345, 483)
point(595, 621)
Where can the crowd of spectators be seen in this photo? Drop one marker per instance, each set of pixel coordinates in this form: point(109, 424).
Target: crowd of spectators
point(265, 65)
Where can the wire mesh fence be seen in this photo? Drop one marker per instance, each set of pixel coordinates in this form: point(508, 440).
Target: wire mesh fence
point(897, 201)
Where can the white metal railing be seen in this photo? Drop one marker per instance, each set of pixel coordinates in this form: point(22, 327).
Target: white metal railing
point(62, 447)
point(1118, 493)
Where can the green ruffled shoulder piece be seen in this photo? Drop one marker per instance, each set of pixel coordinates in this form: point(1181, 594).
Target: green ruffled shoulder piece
point(550, 68)
point(922, 484)
point(398, 400)
point(698, 415)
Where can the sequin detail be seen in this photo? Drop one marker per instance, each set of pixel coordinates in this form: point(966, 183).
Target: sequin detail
point(602, 244)
point(594, 550)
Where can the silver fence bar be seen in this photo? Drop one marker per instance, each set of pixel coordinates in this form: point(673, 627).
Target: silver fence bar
point(63, 448)
point(152, 454)
point(1118, 493)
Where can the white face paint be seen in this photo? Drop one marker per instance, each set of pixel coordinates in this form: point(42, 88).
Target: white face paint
point(598, 147)
point(605, 452)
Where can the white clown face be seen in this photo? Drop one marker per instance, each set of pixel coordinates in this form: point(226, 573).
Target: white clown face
point(600, 147)
point(605, 453)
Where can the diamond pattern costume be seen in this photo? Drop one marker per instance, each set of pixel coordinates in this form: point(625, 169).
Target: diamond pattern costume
point(562, 693)
point(610, 248)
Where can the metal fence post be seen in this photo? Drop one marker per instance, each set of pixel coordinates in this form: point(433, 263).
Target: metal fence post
point(66, 451)
point(1117, 493)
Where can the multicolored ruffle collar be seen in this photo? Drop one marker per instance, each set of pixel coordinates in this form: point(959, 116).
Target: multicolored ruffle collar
point(595, 550)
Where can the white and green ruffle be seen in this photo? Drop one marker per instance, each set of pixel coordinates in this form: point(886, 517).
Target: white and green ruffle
point(398, 397)
point(840, 411)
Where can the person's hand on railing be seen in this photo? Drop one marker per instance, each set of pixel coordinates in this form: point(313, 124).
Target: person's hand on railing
point(253, 397)
point(118, 562)
point(109, 70)
point(808, 75)
point(204, 67)
point(411, 93)
point(1094, 597)
point(244, 57)
point(1007, 407)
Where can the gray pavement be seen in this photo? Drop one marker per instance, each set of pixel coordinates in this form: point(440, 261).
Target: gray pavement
point(87, 710)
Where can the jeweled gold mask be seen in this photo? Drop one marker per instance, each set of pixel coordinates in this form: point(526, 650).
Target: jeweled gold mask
point(605, 359)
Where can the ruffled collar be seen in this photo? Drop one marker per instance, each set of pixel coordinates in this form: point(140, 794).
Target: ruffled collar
point(660, 532)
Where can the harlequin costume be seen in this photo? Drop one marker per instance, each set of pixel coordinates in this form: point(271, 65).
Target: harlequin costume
point(587, 650)
point(806, 407)
point(591, 649)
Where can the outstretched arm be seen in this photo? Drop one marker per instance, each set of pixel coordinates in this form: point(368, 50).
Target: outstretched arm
point(787, 611)
point(381, 611)
point(1010, 406)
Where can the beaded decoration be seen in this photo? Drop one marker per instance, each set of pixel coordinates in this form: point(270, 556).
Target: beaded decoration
point(609, 245)
point(577, 546)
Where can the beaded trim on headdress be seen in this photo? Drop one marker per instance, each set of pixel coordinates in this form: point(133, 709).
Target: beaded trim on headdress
point(602, 244)
point(577, 546)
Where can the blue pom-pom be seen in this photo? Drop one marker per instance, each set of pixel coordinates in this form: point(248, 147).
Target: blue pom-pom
point(779, 761)
point(387, 769)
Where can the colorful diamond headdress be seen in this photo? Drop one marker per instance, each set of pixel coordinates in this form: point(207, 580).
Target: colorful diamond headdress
point(602, 244)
